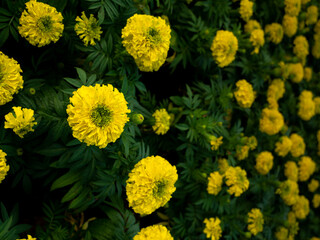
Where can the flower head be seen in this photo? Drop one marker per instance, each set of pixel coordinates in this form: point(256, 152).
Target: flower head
point(242, 152)
point(296, 72)
point(10, 78)
point(224, 48)
point(301, 47)
point(147, 39)
point(301, 207)
point(4, 168)
point(298, 145)
point(313, 185)
point(274, 32)
point(290, 25)
point(306, 105)
point(40, 23)
point(162, 121)
point(307, 74)
point(213, 229)
point(271, 121)
point(292, 7)
point(289, 191)
point(281, 233)
point(255, 221)
point(244, 94)
point(214, 183)
point(246, 10)
point(21, 121)
point(236, 179)
point(312, 15)
point(264, 162)
point(29, 238)
point(257, 40)
point(215, 142)
point(150, 184)
point(291, 171)
point(223, 165)
point(97, 115)
point(251, 25)
point(316, 200)
point(252, 142)
point(283, 146)
point(88, 29)
point(306, 168)
point(154, 232)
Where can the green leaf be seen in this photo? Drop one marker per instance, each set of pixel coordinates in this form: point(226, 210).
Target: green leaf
point(72, 193)
point(74, 82)
point(53, 150)
point(81, 199)
point(65, 180)
point(82, 75)
point(4, 34)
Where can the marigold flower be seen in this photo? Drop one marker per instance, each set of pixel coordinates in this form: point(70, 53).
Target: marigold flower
point(301, 207)
point(305, 1)
point(281, 233)
point(97, 115)
point(147, 39)
point(313, 185)
point(224, 48)
point(150, 184)
point(257, 40)
point(276, 89)
point(215, 142)
point(251, 25)
point(223, 165)
point(87, 29)
point(162, 121)
point(214, 183)
point(291, 171)
point(271, 121)
point(213, 229)
point(312, 15)
point(316, 28)
point(316, 101)
point(290, 25)
point(274, 32)
point(306, 106)
point(40, 23)
point(316, 200)
point(307, 74)
point(264, 162)
point(293, 225)
point(21, 121)
point(10, 78)
point(306, 168)
point(315, 238)
point(246, 9)
point(316, 46)
point(301, 47)
point(29, 238)
point(289, 191)
point(298, 145)
point(4, 168)
point(283, 146)
point(244, 94)
point(154, 232)
point(236, 179)
point(292, 7)
point(252, 142)
point(242, 152)
point(255, 221)
point(295, 72)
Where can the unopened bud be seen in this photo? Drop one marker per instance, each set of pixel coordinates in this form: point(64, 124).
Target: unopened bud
point(32, 91)
point(137, 118)
point(19, 151)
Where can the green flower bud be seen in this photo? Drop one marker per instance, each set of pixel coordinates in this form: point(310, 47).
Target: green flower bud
point(137, 118)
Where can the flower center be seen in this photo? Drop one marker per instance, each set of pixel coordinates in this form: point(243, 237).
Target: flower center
point(45, 23)
point(153, 35)
point(101, 116)
point(158, 190)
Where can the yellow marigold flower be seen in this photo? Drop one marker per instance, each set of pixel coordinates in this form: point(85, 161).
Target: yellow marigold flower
point(312, 15)
point(315, 238)
point(289, 191)
point(236, 179)
point(257, 40)
point(313, 185)
point(246, 10)
point(305, 1)
point(295, 72)
point(293, 225)
point(264, 162)
point(318, 139)
point(252, 142)
point(213, 229)
point(154, 232)
point(276, 89)
point(306, 168)
point(29, 238)
point(223, 166)
point(10, 78)
point(316, 46)
point(316, 200)
point(306, 106)
point(97, 115)
point(298, 145)
point(316, 28)
point(242, 152)
point(215, 142)
point(292, 7)
point(281, 233)
point(40, 23)
point(301, 47)
point(255, 221)
point(274, 32)
point(147, 39)
point(162, 121)
point(244, 94)
point(251, 25)
point(307, 74)
point(214, 183)
point(224, 48)
point(291, 171)
point(301, 207)
point(150, 184)
point(21, 121)
point(283, 146)
point(316, 101)
point(290, 25)
point(271, 121)
point(88, 29)
point(4, 168)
